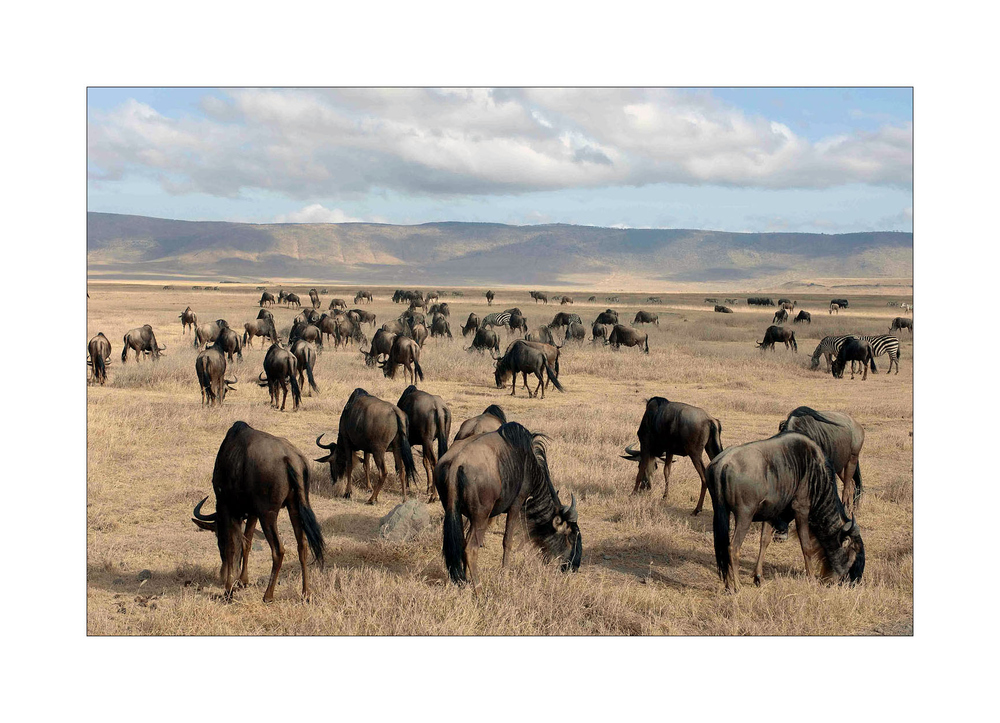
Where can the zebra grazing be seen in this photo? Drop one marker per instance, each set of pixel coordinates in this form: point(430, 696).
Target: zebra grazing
point(500, 318)
point(881, 344)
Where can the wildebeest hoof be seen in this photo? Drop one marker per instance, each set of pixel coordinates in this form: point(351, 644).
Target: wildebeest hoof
point(780, 537)
point(756, 580)
point(695, 513)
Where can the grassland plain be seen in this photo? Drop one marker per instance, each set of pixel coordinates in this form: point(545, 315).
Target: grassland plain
point(648, 565)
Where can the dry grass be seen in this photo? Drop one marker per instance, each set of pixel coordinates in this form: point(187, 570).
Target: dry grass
point(648, 566)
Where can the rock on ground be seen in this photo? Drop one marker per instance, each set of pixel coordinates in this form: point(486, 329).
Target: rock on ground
point(405, 521)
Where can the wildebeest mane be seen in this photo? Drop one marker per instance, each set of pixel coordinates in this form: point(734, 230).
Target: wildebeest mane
point(497, 412)
point(806, 412)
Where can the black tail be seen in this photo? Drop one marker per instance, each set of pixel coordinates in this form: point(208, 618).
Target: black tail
point(296, 391)
point(314, 536)
point(125, 349)
point(497, 412)
point(309, 374)
point(443, 430)
point(553, 377)
point(871, 360)
point(404, 447)
point(720, 522)
point(714, 446)
point(454, 544)
point(417, 369)
point(100, 373)
point(858, 489)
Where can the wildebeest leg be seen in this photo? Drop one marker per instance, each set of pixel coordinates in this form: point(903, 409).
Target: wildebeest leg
point(810, 546)
point(397, 456)
point(541, 385)
point(667, 462)
point(269, 524)
point(848, 479)
point(473, 541)
point(232, 528)
point(511, 536)
point(284, 393)
point(429, 462)
point(350, 474)
point(645, 472)
point(699, 466)
point(765, 539)
point(743, 520)
point(300, 543)
point(244, 580)
point(513, 386)
point(382, 474)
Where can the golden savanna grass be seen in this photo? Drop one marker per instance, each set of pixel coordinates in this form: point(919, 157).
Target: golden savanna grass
point(648, 565)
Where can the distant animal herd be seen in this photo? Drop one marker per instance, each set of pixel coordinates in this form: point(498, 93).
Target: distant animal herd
point(495, 466)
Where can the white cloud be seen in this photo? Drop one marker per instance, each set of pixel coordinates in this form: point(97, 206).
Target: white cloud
point(316, 213)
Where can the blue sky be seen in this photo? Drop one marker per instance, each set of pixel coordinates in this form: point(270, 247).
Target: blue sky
point(744, 159)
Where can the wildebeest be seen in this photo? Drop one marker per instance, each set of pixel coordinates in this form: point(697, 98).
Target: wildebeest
point(563, 319)
point(441, 308)
point(308, 332)
point(645, 317)
point(431, 296)
point(538, 296)
point(776, 334)
point(788, 306)
point(518, 323)
point(263, 328)
point(208, 332)
point(99, 350)
point(608, 316)
point(305, 358)
point(710, 300)
point(314, 298)
point(652, 299)
point(490, 420)
point(565, 300)
point(255, 475)
point(265, 314)
point(396, 326)
point(854, 350)
point(525, 357)
point(774, 481)
point(293, 300)
point(280, 370)
point(835, 307)
point(671, 429)
point(361, 316)
point(471, 324)
point(842, 303)
point(230, 341)
point(210, 366)
point(503, 472)
point(440, 327)
point(840, 438)
point(485, 339)
point(614, 299)
point(428, 419)
point(599, 331)
point(542, 334)
point(899, 323)
point(141, 340)
point(266, 299)
point(363, 295)
point(803, 316)
point(723, 309)
point(188, 318)
point(418, 332)
point(371, 426)
point(346, 331)
point(627, 336)
point(591, 298)
point(760, 301)
point(489, 297)
point(405, 352)
point(307, 316)
point(337, 304)
point(381, 344)
point(780, 316)
point(575, 332)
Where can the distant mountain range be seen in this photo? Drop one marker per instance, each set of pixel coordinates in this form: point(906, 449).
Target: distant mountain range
point(455, 254)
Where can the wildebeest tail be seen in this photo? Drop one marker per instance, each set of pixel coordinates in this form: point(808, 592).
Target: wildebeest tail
point(857, 484)
point(497, 412)
point(314, 536)
point(871, 360)
point(309, 374)
point(296, 392)
point(647, 344)
point(553, 377)
point(720, 521)
point(99, 370)
point(417, 369)
point(404, 447)
point(443, 430)
point(124, 348)
point(454, 543)
point(714, 446)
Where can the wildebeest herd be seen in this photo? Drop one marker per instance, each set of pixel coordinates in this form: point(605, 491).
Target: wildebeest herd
point(496, 466)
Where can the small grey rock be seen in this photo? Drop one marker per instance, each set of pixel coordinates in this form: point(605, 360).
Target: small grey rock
point(405, 521)
point(118, 581)
point(257, 546)
point(606, 557)
point(145, 575)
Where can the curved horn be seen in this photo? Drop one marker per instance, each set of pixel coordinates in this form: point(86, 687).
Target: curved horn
point(231, 383)
point(324, 446)
point(203, 517)
point(631, 453)
point(161, 348)
point(571, 513)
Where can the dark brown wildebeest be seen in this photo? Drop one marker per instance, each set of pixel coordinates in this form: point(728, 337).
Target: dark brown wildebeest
point(565, 300)
point(418, 332)
point(854, 350)
point(723, 309)
point(670, 429)
point(842, 303)
point(428, 419)
point(774, 481)
point(775, 334)
point(471, 325)
point(337, 304)
point(575, 332)
point(840, 438)
point(608, 317)
point(348, 331)
point(526, 357)
point(485, 339)
point(307, 316)
point(381, 344)
point(788, 306)
point(441, 308)
point(396, 326)
point(141, 340)
point(210, 366)
point(542, 334)
point(363, 295)
point(564, 319)
point(266, 299)
point(361, 316)
point(263, 328)
point(431, 296)
point(256, 474)
point(803, 316)
point(599, 331)
point(188, 318)
point(411, 318)
point(784, 301)
point(490, 420)
point(518, 323)
point(503, 472)
point(645, 317)
point(314, 298)
point(513, 311)
point(328, 325)
point(627, 336)
point(710, 300)
point(591, 298)
point(265, 314)
point(229, 340)
point(305, 358)
point(293, 300)
point(309, 332)
point(835, 307)
point(208, 332)
point(780, 316)
point(489, 297)
point(613, 299)
point(405, 352)
point(280, 369)
point(370, 425)
point(440, 327)
point(99, 350)
point(900, 323)
point(538, 296)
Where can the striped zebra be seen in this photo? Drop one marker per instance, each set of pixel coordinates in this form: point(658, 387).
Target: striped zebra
point(881, 344)
point(500, 318)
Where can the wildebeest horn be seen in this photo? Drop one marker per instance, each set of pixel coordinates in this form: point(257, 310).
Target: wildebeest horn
point(205, 522)
point(570, 512)
point(161, 348)
point(631, 453)
point(324, 446)
point(231, 383)
point(848, 526)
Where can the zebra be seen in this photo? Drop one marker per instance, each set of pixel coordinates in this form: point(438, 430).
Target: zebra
point(500, 318)
point(881, 344)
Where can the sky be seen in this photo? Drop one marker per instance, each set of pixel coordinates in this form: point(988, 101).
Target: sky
point(826, 160)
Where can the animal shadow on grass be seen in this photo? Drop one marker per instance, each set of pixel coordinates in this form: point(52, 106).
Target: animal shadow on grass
point(159, 582)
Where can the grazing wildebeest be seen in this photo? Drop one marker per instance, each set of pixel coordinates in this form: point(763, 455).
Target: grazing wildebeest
point(264, 328)
point(346, 331)
point(363, 295)
point(562, 319)
point(599, 331)
point(210, 366)
point(265, 314)
point(565, 300)
point(490, 420)
point(188, 318)
point(774, 481)
point(842, 303)
point(608, 316)
point(899, 323)
point(854, 350)
point(441, 308)
point(760, 301)
point(307, 316)
point(518, 323)
point(835, 307)
point(314, 298)
point(627, 336)
point(411, 318)
point(653, 299)
point(208, 332)
point(99, 350)
point(428, 419)
point(646, 317)
point(830, 346)
point(788, 306)
point(471, 324)
point(405, 352)
point(840, 438)
point(591, 298)
point(524, 357)
point(538, 296)
point(309, 332)
point(293, 300)
point(614, 299)
point(141, 340)
point(671, 429)
point(803, 316)
point(780, 316)
point(775, 334)
point(266, 299)
point(503, 472)
point(575, 332)
point(440, 327)
point(542, 334)
point(489, 297)
point(230, 341)
point(381, 344)
point(256, 474)
point(280, 369)
point(337, 304)
point(396, 326)
point(361, 316)
point(723, 309)
point(734, 302)
point(370, 425)
point(418, 333)
point(305, 358)
point(485, 339)
point(710, 300)
point(431, 296)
